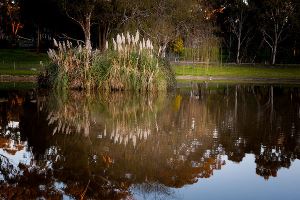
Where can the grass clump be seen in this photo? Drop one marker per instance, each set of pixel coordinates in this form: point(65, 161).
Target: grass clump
point(128, 63)
point(66, 69)
point(132, 63)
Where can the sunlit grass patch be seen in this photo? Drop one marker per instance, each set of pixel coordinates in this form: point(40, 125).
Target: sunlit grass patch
point(238, 71)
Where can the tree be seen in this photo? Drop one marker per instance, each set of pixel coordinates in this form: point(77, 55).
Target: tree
point(238, 12)
point(276, 17)
point(43, 20)
point(178, 46)
point(111, 16)
point(10, 17)
point(161, 20)
point(200, 32)
point(81, 12)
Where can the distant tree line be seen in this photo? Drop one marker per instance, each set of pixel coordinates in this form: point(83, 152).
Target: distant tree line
point(236, 30)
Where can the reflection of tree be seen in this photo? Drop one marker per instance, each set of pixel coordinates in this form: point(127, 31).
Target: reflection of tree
point(153, 189)
point(265, 118)
point(172, 140)
point(173, 160)
point(270, 161)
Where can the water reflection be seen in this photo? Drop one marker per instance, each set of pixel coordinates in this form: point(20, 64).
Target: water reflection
point(121, 145)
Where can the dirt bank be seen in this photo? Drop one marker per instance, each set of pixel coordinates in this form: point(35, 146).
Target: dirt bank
point(19, 78)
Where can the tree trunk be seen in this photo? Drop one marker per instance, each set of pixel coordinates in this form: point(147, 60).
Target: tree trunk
point(87, 33)
point(38, 39)
point(229, 49)
point(274, 53)
point(88, 47)
point(238, 51)
point(239, 37)
point(103, 32)
point(163, 50)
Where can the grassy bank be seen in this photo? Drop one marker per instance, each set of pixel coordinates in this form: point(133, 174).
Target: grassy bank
point(241, 71)
point(21, 62)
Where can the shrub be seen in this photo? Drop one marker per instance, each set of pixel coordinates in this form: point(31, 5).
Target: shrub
point(178, 47)
point(66, 69)
point(131, 63)
point(128, 63)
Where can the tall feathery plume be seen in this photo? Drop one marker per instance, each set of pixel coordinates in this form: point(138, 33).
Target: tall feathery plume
point(106, 45)
point(119, 43)
point(115, 44)
point(128, 38)
point(133, 40)
point(148, 44)
point(68, 44)
point(55, 42)
point(120, 48)
point(137, 37)
point(140, 47)
point(151, 46)
point(79, 48)
point(60, 46)
point(119, 40)
point(123, 39)
point(64, 46)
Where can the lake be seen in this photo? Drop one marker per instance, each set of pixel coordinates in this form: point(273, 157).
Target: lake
point(202, 141)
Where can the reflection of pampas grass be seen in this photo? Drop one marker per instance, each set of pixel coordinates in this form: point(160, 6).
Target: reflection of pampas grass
point(68, 116)
point(124, 122)
point(131, 121)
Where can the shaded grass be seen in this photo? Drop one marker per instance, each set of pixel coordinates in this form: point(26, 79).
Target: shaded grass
point(17, 86)
point(21, 62)
point(18, 72)
point(247, 71)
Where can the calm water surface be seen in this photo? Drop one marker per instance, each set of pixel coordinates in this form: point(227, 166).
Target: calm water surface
point(206, 141)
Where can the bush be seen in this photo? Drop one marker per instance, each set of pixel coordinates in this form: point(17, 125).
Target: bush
point(129, 63)
point(66, 70)
point(178, 47)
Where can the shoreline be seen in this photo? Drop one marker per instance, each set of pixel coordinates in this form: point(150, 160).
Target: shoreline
point(238, 79)
point(18, 78)
point(33, 79)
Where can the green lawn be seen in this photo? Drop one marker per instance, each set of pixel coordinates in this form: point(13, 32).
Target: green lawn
point(242, 71)
point(16, 85)
point(21, 62)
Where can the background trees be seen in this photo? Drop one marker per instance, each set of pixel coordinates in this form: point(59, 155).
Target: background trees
point(10, 23)
point(238, 12)
point(276, 16)
point(248, 30)
point(81, 12)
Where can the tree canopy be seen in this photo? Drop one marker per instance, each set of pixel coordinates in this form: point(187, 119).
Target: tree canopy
point(246, 30)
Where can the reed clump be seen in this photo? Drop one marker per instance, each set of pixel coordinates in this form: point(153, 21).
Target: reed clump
point(67, 68)
point(129, 62)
